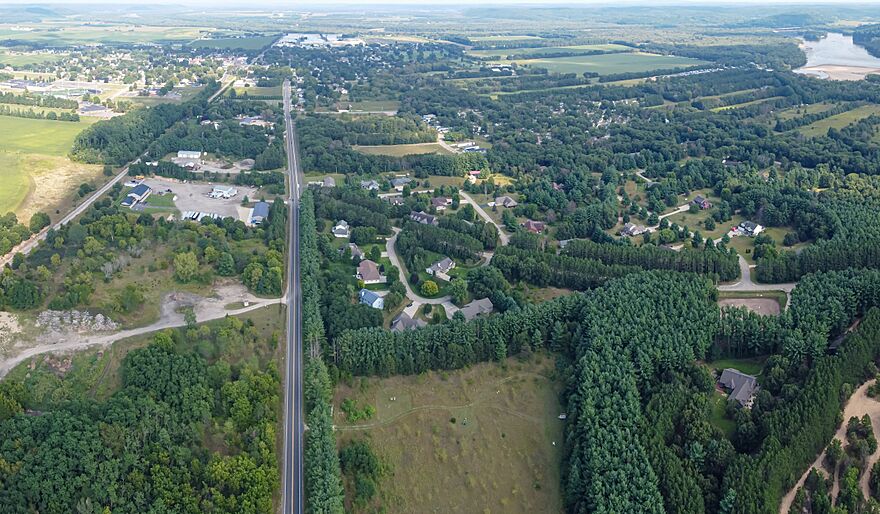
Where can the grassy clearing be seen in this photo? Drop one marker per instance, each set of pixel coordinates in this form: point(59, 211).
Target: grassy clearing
point(718, 414)
point(487, 433)
point(17, 59)
point(257, 91)
point(40, 136)
point(799, 112)
point(401, 150)
point(747, 365)
point(370, 105)
point(746, 104)
point(503, 38)
point(838, 121)
point(606, 64)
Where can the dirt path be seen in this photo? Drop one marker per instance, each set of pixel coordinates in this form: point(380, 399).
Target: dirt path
point(858, 405)
point(206, 310)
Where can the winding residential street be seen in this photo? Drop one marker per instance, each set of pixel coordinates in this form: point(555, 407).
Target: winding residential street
point(502, 235)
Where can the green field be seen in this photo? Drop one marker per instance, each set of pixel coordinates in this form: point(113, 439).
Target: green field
point(257, 91)
point(503, 38)
point(17, 59)
point(798, 112)
point(401, 150)
point(748, 365)
point(32, 147)
point(490, 433)
point(746, 104)
point(838, 121)
point(504, 52)
point(242, 43)
point(76, 32)
point(606, 64)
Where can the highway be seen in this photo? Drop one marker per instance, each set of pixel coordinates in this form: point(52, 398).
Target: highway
point(292, 472)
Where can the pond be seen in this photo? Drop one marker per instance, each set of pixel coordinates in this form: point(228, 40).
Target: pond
point(836, 56)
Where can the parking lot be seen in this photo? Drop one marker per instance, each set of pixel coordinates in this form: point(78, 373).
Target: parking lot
point(195, 197)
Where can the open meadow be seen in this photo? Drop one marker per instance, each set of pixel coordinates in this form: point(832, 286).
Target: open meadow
point(839, 121)
point(608, 64)
point(401, 150)
point(36, 173)
point(490, 433)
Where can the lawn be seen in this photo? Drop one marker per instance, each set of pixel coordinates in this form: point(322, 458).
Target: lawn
point(257, 91)
point(606, 64)
point(838, 121)
point(401, 150)
point(747, 365)
point(490, 433)
point(718, 414)
point(40, 136)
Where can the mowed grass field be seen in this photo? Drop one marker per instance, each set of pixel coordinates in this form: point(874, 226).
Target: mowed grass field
point(17, 59)
point(489, 433)
point(838, 121)
point(36, 148)
point(401, 150)
point(504, 52)
point(607, 64)
point(243, 43)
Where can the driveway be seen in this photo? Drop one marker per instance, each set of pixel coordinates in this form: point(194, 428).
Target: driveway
point(502, 236)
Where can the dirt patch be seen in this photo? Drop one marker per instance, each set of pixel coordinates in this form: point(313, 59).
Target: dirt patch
point(9, 329)
point(54, 181)
point(763, 306)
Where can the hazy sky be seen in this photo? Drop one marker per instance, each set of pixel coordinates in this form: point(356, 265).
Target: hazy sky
point(296, 5)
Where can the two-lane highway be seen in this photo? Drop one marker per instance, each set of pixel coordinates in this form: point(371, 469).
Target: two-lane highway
point(292, 473)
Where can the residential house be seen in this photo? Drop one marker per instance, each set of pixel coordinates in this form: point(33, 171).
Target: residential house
point(742, 387)
point(356, 252)
point(505, 201)
point(631, 229)
point(423, 218)
point(395, 200)
point(138, 194)
point(223, 192)
point(259, 213)
point(404, 322)
point(440, 204)
point(372, 299)
point(368, 272)
point(535, 227)
point(369, 185)
point(701, 202)
point(329, 182)
point(441, 268)
point(749, 228)
point(341, 229)
point(477, 308)
point(399, 182)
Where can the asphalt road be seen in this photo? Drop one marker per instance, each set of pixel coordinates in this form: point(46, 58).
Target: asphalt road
point(292, 473)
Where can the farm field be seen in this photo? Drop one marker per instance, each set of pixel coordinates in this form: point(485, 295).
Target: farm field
point(243, 43)
point(838, 121)
point(401, 150)
point(490, 433)
point(18, 59)
point(503, 38)
point(606, 64)
point(62, 33)
point(504, 52)
point(33, 161)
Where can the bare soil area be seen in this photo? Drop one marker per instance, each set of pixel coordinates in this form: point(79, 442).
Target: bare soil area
point(763, 306)
point(835, 72)
point(54, 181)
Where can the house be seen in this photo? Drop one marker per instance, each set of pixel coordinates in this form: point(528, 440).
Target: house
point(341, 229)
point(477, 308)
point(395, 200)
point(423, 218)
point(223, 192)
point(535, 227)
point(631, 229)
point(255, 121)
point(398, 183)
point(138, 194)
point(701, 202)
point(369, 185)
point(189, 155)
point(741, 387)
point(404, 322)
point(356, 252)
point(505, 201)
point(329, 182)
point(441, 268)
point(372, 299)
point(441, 203)
point(368, 272)
point(259, 213)
point(749, 228)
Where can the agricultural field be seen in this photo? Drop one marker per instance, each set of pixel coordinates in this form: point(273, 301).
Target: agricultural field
point(504, 52)
point(401, 150)
point(839, 121)
point(18, 59)
point(503, 38)
point(257, 91)
point(34, 164)
point(70, 33)
point(606, 64)
point(236, 43)
point(490, 433)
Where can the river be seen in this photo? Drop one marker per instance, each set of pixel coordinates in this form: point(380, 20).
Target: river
point(837, 57)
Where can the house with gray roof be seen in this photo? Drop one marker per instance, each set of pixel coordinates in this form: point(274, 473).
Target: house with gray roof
point(477, 308)
point(741, 387)
point(371, 298)
point(441, 268)
point(404, 322)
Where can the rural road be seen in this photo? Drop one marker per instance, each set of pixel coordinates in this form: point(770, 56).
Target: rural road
point(292, 483)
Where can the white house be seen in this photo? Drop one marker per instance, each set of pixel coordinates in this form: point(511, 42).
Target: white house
point(341, 229)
